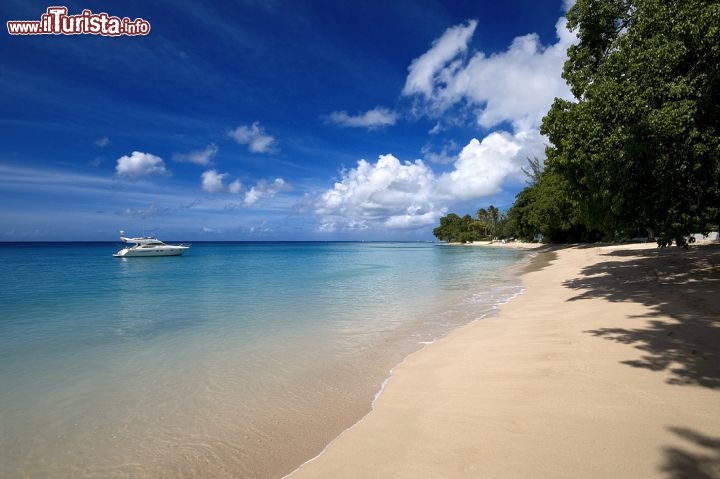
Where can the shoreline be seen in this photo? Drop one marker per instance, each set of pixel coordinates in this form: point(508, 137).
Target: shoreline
point(391, 374)
point(499, 244)
point(525, 265)
point(402, 435)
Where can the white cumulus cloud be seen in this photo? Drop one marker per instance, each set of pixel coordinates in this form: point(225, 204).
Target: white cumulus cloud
point(254, 137)
point(406, 195)
point(481, 168)
point(378, 117)
point(235, 187)
point(198, 157)
point(390, 192)
point(212, 181)
point(139, 164)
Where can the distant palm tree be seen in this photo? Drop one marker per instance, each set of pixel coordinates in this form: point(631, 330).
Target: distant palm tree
point(483, 217)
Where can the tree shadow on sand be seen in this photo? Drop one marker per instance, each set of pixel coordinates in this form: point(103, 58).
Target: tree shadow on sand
point(702, 461)
point(682, 290)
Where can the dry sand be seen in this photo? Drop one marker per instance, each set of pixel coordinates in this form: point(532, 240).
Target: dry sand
point(607, 366)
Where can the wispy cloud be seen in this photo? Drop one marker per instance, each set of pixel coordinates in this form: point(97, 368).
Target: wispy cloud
point(145, 211)
point(198, 157)
point(154, 210)
point(425, 68)
point(139, 164)
point(264, 189)
point(444, 156)
point(96, 189)
point(254, 137)
point(378, 117)
point(37, 177)
point(102, 142)
point(517, 85)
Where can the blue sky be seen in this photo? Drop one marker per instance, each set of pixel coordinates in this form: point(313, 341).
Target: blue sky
point(296, 120)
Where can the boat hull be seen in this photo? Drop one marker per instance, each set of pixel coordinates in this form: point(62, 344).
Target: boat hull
point(151, 252)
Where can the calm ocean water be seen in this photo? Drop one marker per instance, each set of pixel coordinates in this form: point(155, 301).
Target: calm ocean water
point(236, 360)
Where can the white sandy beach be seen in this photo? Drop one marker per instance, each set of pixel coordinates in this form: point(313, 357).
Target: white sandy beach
point(607, 366)
point(499, 244)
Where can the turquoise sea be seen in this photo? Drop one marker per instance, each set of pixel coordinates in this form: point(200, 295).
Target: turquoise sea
point(236, 360)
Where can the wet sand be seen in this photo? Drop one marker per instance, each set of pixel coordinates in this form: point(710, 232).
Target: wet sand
point(607, 366)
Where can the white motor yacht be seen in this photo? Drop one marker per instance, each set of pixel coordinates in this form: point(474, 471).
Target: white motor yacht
point(149, 246)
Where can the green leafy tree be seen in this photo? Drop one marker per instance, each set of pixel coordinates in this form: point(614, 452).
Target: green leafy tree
point(547, 208)
point(457, 229)
point(445, 232)
point(639, 148)
point(465, 229)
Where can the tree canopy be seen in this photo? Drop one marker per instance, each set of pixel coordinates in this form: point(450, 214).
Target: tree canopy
point(639, 149)
point(486, 225)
